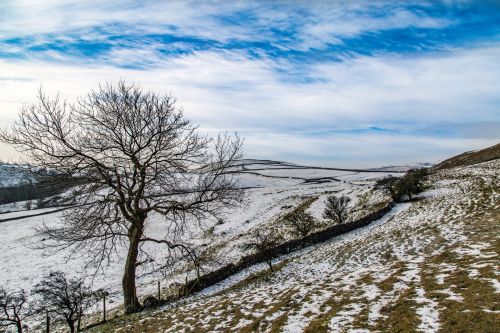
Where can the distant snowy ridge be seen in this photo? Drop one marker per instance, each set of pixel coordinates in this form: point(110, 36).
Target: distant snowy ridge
point(256, 164)
point(13, 175)
point(402, 168)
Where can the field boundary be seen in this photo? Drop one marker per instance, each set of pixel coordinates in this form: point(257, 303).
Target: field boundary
point(33, 215)
point(214, 277)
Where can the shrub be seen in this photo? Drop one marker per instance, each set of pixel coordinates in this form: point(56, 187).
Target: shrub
point(28, 205)
point(392, 186)
point(337, 208)
point(13, 308)
point(410, 184)
point(302, 222)
point(264, 241)
point(151, 302)
point(65, 298)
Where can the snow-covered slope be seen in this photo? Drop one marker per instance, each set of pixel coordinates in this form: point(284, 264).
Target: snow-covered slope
point(272, 189)
point(412, 264)
point(430, 266)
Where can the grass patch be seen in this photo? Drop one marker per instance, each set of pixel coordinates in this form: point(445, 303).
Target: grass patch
point(400, 316)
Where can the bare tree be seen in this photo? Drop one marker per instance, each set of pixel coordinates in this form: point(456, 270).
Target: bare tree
point(63, 297)
point(302, 221)
point(337, 208)
point(12, 308)
point(202, 258)
point(135, 154)
point(264, 241)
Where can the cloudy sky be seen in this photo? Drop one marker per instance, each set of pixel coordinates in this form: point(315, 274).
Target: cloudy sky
point(339, 83)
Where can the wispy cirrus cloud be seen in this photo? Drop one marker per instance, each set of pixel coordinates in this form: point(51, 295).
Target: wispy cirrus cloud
point(300, 80)
point(296, 30)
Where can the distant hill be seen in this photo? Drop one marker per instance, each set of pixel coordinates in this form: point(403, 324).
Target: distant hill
point(402, 168)
point(18, 183)
point(470, 158)
point(14, 175)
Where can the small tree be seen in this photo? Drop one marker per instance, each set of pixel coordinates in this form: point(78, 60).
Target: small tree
point(408, 185)
point(12, 312)
point(392, 186)
point(337, 208)
point(413, 182)
point(201, 258)
point(302, 222)
point(263, 241)
point(63, 297)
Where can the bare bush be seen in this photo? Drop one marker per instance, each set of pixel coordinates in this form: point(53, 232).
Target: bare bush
point(302, 222)
point(337, 208)
point(64, 298)
point(263, 241)
point(13, 308)
point(134, 154)
point(203, 258)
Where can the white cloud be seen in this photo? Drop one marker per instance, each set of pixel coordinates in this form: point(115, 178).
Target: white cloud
point(315, 24)
point(226, 91)
point(360, 151)
point(32, 17)
point(334, 21)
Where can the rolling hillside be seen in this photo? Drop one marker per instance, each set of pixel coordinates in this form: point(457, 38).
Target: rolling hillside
point(271, 190)
point(431, 265)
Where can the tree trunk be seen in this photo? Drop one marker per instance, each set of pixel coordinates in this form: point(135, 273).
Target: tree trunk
point(19, 326)
point(270, 263)
point(71, 324)
point(79, 323)
point(130, 301)
point(48, 323)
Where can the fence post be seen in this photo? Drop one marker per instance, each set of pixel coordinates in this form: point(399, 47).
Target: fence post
point(104, 308)
point(48, 323)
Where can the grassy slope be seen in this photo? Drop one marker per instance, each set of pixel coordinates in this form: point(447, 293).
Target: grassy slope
point(433, 267)
point(470, 158)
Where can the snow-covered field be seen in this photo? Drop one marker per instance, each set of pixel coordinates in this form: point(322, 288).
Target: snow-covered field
point(270, 192)
point(430, 266)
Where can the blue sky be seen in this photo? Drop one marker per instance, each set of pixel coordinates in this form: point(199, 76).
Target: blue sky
point(347, 83)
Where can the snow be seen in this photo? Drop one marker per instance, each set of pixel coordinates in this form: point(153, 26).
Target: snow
point(26, 213)
point(263, 204)
point(495, 283)
point(12, 207)
point(428, 312)
point(346, 271)
point(344, 317)
point(452, 296)
point(328, 271)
